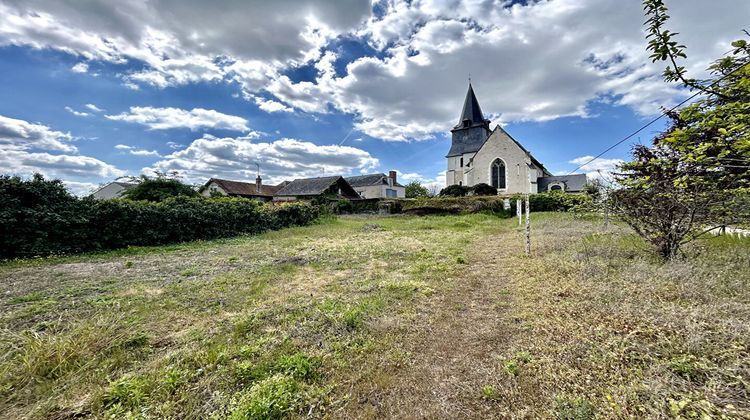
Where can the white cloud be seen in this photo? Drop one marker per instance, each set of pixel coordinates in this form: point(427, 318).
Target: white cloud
point(23, 135)
point(137, 151)
point(167, 118)
point(94, 108)
point(22, 162)
point(77, 113)
point(271, 105)
point(234, 158)
point(596, 168)
point(81, 188)
point(535, 61)
point(187, 46)
point(80, 68)
point(25, 147)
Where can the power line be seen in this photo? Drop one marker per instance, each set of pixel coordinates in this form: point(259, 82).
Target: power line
point(655, 120)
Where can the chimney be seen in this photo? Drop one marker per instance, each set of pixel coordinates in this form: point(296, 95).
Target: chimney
point(258, 183)
point(392, 175)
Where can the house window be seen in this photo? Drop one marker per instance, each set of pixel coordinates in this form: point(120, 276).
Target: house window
point(498, 174)
point(390, 193)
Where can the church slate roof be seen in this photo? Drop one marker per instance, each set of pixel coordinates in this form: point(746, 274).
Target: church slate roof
point(471, 111)
point(472, 129)
point(316, 186)
point(573, 183)
point(367, 180)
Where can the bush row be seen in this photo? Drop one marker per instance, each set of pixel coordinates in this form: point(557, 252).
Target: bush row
point(547, 201)
point(39, 217)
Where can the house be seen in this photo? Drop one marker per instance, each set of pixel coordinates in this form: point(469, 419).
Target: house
point(480, 155)
point(256, 191)
point(377, 185)
point(112, 190)
point(322, 187)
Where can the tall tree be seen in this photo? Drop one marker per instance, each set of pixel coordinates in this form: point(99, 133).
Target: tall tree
point(697, 173)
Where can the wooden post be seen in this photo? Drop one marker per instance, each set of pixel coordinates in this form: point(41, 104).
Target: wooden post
point(528, 226)
point(606, 212)
point(519, 210)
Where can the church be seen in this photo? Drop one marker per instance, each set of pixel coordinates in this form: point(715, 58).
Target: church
point(480, 155)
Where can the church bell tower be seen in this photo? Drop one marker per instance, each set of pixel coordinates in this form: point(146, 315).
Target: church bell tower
point(468, 136)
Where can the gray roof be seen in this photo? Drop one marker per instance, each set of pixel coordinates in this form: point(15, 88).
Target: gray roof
point(313, 186)
point(573, 183)
point(240, 188)
point(472, 129)
point(367, 180)
point(471, 111)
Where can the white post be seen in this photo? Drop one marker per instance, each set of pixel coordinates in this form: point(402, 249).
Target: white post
point(528, 212)
point(519, 210)
point(606, 212)
point(528, 226)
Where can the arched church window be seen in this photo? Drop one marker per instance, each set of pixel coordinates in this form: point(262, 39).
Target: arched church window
point(498, 173)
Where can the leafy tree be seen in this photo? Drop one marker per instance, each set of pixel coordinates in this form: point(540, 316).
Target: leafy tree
point(696, 174)
point(454, 191)
point(159, 189)
point(484, 189)
point(415, 190)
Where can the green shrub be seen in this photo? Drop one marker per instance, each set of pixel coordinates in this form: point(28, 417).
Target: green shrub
point(454, 191)
point(39, 217)
point(158, 189)
point(454, 205)
point(552, 201)
point(484, 189)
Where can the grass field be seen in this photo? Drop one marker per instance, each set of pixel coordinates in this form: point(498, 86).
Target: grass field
point(382, 317)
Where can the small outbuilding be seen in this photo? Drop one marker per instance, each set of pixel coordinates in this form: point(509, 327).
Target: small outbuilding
point(321, 187)
point(564, 183)
point(377, 185)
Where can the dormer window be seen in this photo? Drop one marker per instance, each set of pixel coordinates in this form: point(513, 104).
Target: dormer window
point(467, 123)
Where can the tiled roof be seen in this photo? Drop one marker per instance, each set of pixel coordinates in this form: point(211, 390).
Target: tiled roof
point(314, 186)
point(367, 180)
point(244, 188)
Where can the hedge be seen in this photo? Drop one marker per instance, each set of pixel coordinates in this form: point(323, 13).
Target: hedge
point(548, 201)
point(39, 217)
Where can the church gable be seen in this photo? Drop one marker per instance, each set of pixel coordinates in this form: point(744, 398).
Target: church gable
point(503, 163)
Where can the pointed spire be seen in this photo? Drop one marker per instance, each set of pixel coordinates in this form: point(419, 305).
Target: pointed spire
point(471, 112)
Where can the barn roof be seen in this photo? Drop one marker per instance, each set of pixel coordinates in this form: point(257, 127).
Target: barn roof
point(371, 179)
point(315, 186)
point(243, 188)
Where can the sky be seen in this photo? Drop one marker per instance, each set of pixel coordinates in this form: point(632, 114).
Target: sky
point(97, 90)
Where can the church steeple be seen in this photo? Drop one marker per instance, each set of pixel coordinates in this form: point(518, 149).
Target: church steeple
point(472, 129)
point(471, 115)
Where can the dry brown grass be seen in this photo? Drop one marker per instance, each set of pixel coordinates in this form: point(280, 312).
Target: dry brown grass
point(400, 317)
